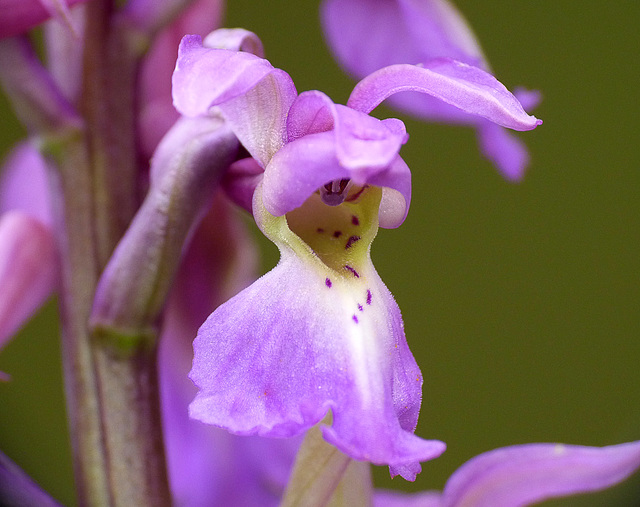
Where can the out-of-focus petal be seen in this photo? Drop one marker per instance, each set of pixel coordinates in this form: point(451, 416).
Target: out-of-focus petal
point(24, 185)
point(35, 97)
point(28, 270)
point(504, 149)
point(149, 16)
point(466, 87)
point(254, 96)
point(325, 338)
point(157, 113)
point(17, 488)
point(367, 35)
point(63, 54)
point(524, 474)
point(17, 16)
point(387, 498)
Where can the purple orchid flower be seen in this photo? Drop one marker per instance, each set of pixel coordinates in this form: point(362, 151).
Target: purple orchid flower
point(320, 331)
point(366, 35)
point(522, 475)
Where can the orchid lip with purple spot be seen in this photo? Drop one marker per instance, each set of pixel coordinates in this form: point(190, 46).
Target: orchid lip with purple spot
point(351, 241)
point(351, 270)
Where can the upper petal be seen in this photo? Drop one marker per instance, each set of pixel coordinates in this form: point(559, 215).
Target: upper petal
point(304, 165)
point(361, 141)
point(503, 149)
point(368, 35)
point(254, 96)
point(466, 87)
point(525, 474)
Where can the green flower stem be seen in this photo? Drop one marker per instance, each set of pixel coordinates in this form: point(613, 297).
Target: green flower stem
point(324, 476)
point(355, 487)
point(112, 398)
point(72, 186)
point(108, 107)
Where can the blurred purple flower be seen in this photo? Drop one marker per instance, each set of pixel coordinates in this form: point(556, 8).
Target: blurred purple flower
point(17, 16)
point(28, 253)
point(157, 113)
point(522, 475)
point(24, 185)
point(366, 35)
point(220, 260)
point(320, 331)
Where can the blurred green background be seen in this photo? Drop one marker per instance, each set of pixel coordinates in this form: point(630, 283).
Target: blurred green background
point(520, 301)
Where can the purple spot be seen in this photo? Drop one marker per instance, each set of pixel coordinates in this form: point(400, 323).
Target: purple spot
point(320, 230)
point(356, 195)
point(327, 282)
point(368, 297)
point(355, 319)
point(360, 307)
point(354, 220)
point(355, 273)
point(337, 234)
point(351, 241)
